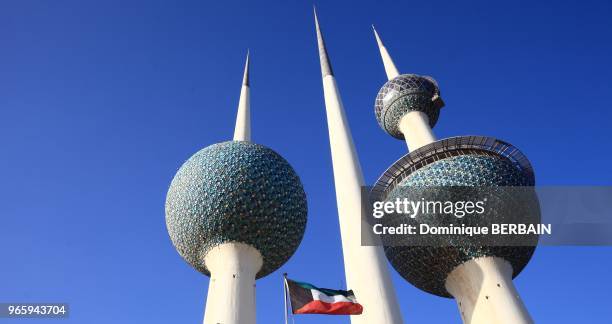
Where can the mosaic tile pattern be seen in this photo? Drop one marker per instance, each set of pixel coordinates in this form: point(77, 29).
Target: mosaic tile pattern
point(407, 92)
point(236, 192)
point(427, 267)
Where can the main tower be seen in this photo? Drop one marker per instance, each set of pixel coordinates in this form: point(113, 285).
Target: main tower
point(478, 275)
point(236, 211)
point(365, 267)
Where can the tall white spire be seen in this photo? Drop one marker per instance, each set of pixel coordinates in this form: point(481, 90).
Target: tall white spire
point(326, 68)
point(242, 132)
point(390, 68)
point(365, 267)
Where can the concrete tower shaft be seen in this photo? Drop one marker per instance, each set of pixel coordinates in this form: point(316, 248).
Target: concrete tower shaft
point(478, 276)
point(365, 266)
point(236, 211)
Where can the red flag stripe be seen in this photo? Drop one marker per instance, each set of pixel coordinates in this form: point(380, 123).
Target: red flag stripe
point(339, 308)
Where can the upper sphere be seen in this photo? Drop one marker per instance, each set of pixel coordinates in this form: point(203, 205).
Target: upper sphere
point(236, 191)
point(405, 93)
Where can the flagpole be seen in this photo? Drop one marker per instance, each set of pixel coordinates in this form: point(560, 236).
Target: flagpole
point(285, 296)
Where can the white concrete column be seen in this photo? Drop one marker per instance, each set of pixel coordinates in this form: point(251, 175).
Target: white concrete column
point(415, 127)
point(485, 293)
point(365, 267)
point(231, 290)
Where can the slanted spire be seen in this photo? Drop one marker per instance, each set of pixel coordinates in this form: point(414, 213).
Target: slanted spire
point(245, 78)
point(242, 132)
point(365, 266)
point(326, 68)
point(390, 68)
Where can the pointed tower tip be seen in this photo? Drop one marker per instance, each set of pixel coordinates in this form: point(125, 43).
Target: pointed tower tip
point(326, 68)
point(378, 40)
point(390, 68)
point(242, 131)
point(245, 78)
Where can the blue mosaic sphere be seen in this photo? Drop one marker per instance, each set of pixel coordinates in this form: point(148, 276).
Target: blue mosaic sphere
point(450, 179)
point(236, 191)
point(405, 93)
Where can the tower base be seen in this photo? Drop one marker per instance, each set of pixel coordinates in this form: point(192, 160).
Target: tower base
point(485, 293)
point(231, 291)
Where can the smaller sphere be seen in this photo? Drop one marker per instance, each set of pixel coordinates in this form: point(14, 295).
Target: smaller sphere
point(405, 93)
point(236, 191)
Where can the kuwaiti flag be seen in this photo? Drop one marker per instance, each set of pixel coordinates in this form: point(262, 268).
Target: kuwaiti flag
point(308, 299)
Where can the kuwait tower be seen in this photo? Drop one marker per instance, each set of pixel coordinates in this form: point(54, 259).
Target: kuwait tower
point(365, 267)
point(235, 211)
point(476, 274)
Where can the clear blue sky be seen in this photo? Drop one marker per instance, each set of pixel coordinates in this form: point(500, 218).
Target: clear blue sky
point(101, 102)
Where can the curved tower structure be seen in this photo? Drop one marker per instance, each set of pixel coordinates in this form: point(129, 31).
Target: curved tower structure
point(478, 276)
point(365, 266)
point(235, 211)
point(408, 105)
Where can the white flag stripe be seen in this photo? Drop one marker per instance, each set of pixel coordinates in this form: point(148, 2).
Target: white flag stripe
point(317, 295)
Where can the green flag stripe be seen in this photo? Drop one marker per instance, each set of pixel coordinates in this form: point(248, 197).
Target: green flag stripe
point(328, 292)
